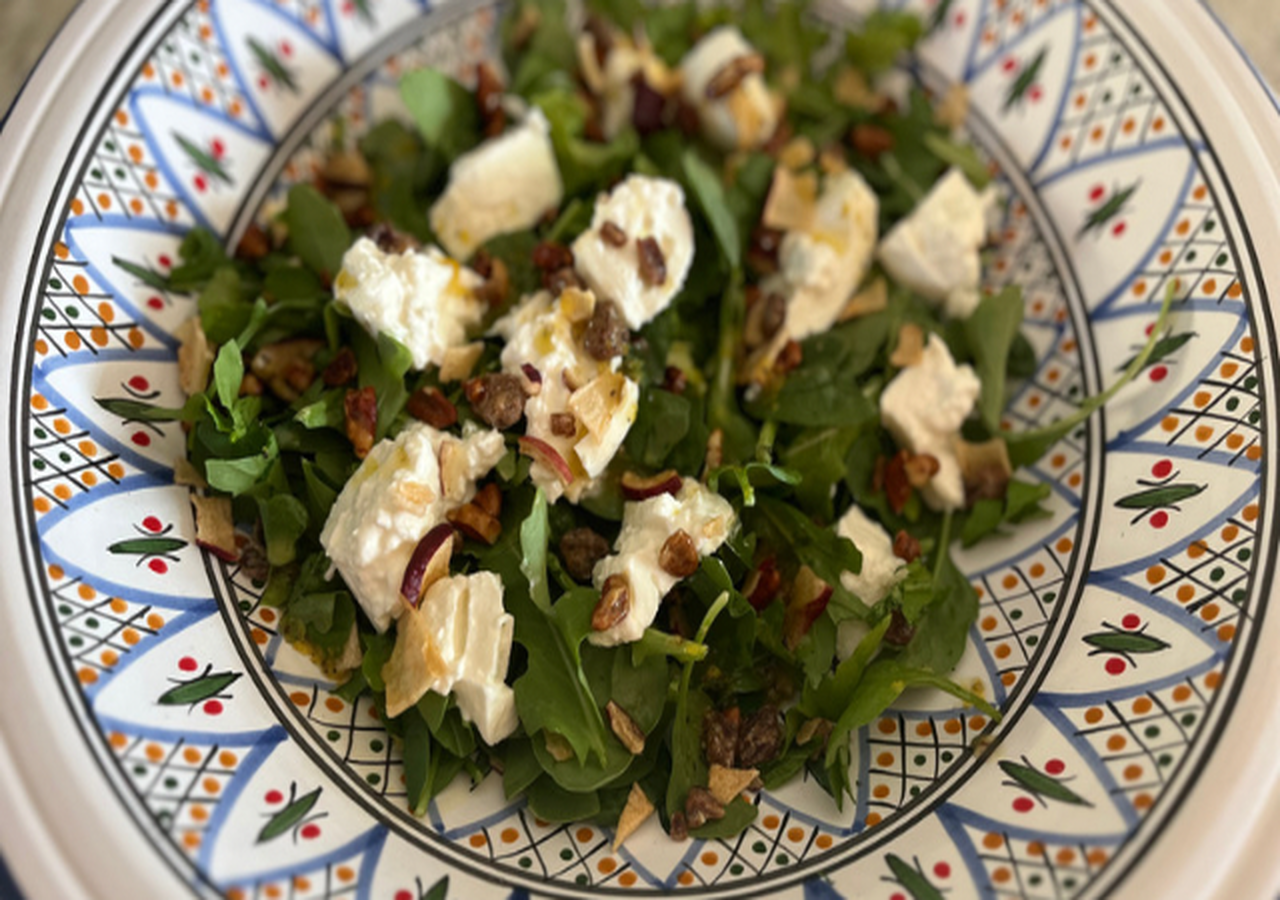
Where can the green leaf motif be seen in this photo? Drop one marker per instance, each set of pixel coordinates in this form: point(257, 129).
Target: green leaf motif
point(1113, 206)
point(1113, 641)
point(157, 546)
point(1041, 785)
point(210, 684)
point(439, 890)
point(911, 880)
point(204, 161)
point(1165, 347)
point(1025, 81)
point(288, 817)
point(1160, 497)
point(148, 276)
point(275, 70)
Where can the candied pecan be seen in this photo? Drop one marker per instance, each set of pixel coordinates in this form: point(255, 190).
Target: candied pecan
point(251, 385)
point(561, 280)
point(906, 547)
point(700, 807)
point(481, 263)
point(679, 555)
point(392, 240)
point(653, 265)
point(428, 404)
point(489, 499)
point(773, 315)
point(625, 728)
point(920, 468)
point(612, 235)
point(900, 630)
point(871, 141)
point(341, 369)
point(720, 737)
point(732, 74)
point(489, 100)
point(789, 358)
point(581, 549)
point(550, 256)
point(361, 408)
point(679, 827)
point(760, 738)
point(564, 424)
point(254, 245)
point(497, 398)
point(897, 486)
point(674, 380)
point(687, 117)
point(606, 335)
point(614, 605)
point(648, 106)
point(475, 523)
point(496, 285)
point(762, 251)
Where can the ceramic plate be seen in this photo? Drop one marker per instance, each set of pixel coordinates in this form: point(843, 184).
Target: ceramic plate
point(159, 738)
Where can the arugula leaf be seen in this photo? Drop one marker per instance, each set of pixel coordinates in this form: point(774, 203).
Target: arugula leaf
point(317, 232)
point(821, 549)
point(829, 698)
point(819, 455)
point(584, 165)
point(534, 537)
point(202, 255)
point(688, 766)
point(417, 762)
point(383, 363)
point(738, 815)
point(444, 111)
point(708, 192)
point(403, 171)
point(228, 372)
point(552, 803)
point(662, 421)
point(984, 518)
point(238, 475)
point(546, 53)
point(883, 37)
point(1022, 500)
point(817, 648)
point(751, 476)
point(284, 520)
point(990, 332)
point(520, 768)
point(377, 650)
point(942, 630)
point(224, 313)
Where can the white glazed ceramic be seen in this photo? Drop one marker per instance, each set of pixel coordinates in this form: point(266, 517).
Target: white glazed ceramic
point(1126, 638)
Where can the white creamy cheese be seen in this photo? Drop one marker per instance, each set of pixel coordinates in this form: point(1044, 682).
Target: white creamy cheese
point(821, 266)
point(881, 570)
point(423, 299)
point(935, 250)
point(467, 642)
point(704, 515)
point(547, 334)
point(506, 184)
point(743, 118)
point(642, 207)
point(394, 498)
point(924, 407)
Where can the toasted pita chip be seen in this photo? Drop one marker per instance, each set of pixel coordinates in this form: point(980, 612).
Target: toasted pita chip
point(871, 299)
point(184, 473)
point(415, 663)
point(458, 362)
point(634, 814)
point(558, 746)
point(910, 348)
point(952, 110)
point(215, 527)
point(725, 784)
point(791, 202)
point(195, 357)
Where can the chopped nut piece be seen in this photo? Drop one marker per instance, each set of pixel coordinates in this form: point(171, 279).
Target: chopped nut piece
point(195, 357)
point(762, 252)
point(733, 73)
point(851, 89)
point(606, 335)
point(614, 605)
point(765, 318)
point(910, 347)
point(900, 631)
point(251, 385)
point(720, 737)
point(253, 559)
point(953, 109)
point(760, 738)
point(612, 235)
point(550, 256)
point(792, 201)
point(653, 265)
point(428, 405)
point(726, 784)
point(701, 807)
point(832, 160)
point(564, 424)
point(581, 549)
point(341, 369)
point(679, 827)
point(679, 555)
point(790, 357)
point(625, 728)
point(497, 284)
point(634, 814)
point(871, 141)
point(489, 499)
point(715, 451)
point(534, 378)
point(985, 468)
point(558, 746)
point(797, 153)
point(391, 240)
point(215, 528)
point(497, 398)
point(893, 478)
point(476, 524)
point(286, 367)
point(921, 468)
point(459, 361)
point(489, 100)
point(906, 547)
point(254, 245)
point(871, 299)
point(361, 408)
point(674, 380)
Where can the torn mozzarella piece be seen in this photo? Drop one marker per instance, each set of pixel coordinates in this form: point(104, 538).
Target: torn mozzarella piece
point(881, 569)
point(401, 491)
point(640, 207)
point(506, 184)
point(423, 299)
point(935, 250)
point(704, 515)
point(747, 115)
point(923, 408)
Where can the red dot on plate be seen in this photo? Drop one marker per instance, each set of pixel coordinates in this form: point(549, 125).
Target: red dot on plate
point(159, 566)
point(1055, 767)
point(897, 897)
point(1118, 229)
point(1162, 469)
point(164, 261)
point(155, 303)
point(961, 18)
point(152, 524)
point(217, 148)
point(1159, 519)
point(310, 831)
point(404, 895)
point(187, 664)
point(213, 707)
point(1010, 64)
point(286, 48)
point(942, 870)
point(1115, 666)
point(1036, 93)
point(141, 438)
point(262, 82)
point(1023, 805)
point(138, 383)
point(201, 183)
point(1159, 373)
point(273, 797)
point(1131, 621)
point(1097, 193)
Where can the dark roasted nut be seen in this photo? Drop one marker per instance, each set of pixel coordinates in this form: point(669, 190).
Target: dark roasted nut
point(497, 398)
point(606, 334)
point(679, 555)
point(789, 358)
point(780, 138)
point(614, 605)
point(760, 738)
point(489, 100)
point(985, 468)
point(561, 280)
point(900, 631)
point(489, 499)
point(679, 827)
point(612, 235)
point(550, 256)
point(720, 737)
point(653, 265)
point(601, 36)
point(625, 727)
point(897, 487)
point(687, 117)
point(921, 468)
point(581, 549)
point(674, 380)
point(564, 424)
point(732, 74)
point(700, 807)
point(475, 523)
point(251, 385)
point(497, 284)
point(341, 369)
point(906, 547)
point(762, 251)
point(429, 405)
point(361, 408)
point(649, 106)
point(391, 240)
point(286, 367)
point(481, 263)
point(871, 141)
point(253, 558)
point(254, 245)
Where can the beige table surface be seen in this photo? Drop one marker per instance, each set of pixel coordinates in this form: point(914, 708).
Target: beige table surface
point(27, 26)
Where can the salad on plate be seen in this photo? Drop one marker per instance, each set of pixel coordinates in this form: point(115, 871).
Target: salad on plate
point(610, 419)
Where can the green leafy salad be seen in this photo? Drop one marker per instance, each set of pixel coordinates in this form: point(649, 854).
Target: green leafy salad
point(609, 420)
